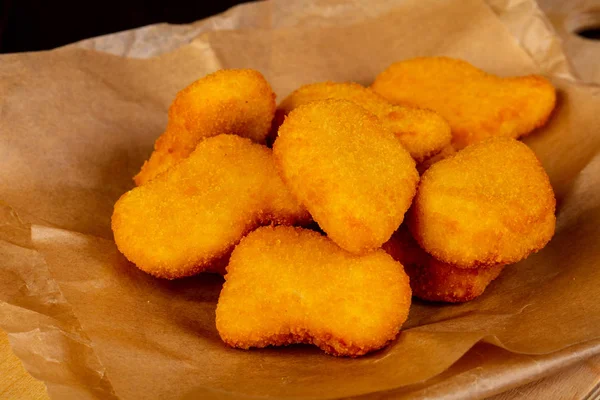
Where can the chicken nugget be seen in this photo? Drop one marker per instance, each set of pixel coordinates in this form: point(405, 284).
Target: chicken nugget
point(423, 133)
point(489, 204)
point(352, 174)
point(184, 220)
point(434, 280)
point(476, 104)
point(230, 101)
point(289, 285)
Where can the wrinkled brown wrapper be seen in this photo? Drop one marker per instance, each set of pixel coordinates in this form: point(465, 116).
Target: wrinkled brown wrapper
point(76, 125)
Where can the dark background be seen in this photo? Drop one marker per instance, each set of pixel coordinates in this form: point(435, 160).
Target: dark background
point(28, 25)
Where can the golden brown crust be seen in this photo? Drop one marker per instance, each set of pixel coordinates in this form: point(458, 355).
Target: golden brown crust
point(490, 204)
point(433, 280)
point(185, 220)
point(353, 176)
point(231, 101)
point(289, 285)
point(477, 105)
point(422, 132)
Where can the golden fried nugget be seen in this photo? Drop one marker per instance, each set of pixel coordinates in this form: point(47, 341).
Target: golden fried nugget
point(230, 101)
point(186, 219)
point(476, 104)
point(351, 173)
point(289, 285)
point(422, 132)
point(490, 204)
point(434, 280)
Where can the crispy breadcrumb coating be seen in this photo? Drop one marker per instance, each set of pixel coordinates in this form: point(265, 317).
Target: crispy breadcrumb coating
point(490, 204)
point(289, 285)
point(434, 280)
point(230, 101)
point(476, 104)
point(185, 220)
point(423, 133)
point(353, 176)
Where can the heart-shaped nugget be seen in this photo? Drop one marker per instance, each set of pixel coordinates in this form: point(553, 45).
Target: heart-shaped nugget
point(476, 104)
point(490, 204)
point(230, 101)
point(423, 133)
point(352, 174)
point(289, 285)
point(185, 220)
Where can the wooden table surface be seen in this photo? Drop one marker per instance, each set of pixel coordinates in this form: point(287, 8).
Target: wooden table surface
point(15, 382)
point(580, 382)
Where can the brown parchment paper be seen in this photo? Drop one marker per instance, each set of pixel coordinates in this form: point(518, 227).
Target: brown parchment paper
point(75, 125)
point(569, 17)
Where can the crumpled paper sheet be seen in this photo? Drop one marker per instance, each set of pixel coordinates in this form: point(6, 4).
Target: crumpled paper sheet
point(77, 124)
point(535, 33)
point(568, 17)
point(546, 38)
point(523, 18)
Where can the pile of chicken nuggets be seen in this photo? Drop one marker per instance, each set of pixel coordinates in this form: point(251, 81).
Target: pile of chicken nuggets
point(328, 213)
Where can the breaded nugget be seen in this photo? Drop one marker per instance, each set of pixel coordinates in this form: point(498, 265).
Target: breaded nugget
point(476, 104)
point(186, 219)
point(422, 132)
point(434, 280)
point(490, 204)
point(351, 173)
point(230, 101)
point(289, 285)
